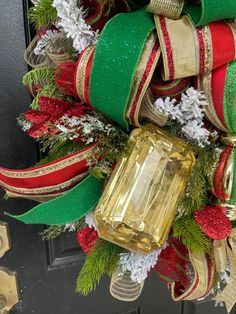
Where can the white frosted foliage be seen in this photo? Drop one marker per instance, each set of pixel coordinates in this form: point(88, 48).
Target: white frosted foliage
point(189, 112)
point(72, 20)
point(138, 265)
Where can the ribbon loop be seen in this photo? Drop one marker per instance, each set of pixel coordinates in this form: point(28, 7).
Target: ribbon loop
point(67, 208)
point(169, 8)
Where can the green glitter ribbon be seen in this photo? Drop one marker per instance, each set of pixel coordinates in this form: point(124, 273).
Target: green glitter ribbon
point(115, 60)
point(230, 113)
point(209, 11)
point(230, 97)
point(67, 208)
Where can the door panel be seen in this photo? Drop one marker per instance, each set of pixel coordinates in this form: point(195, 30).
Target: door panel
point(47, 271)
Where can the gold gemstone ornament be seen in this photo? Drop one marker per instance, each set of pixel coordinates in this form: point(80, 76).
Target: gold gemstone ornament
point(139, 202)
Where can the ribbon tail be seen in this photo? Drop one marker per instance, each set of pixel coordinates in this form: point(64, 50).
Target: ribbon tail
point(220, 255)
point(169, 8)
point(67, 208)
point(228, 295)
point(123, 288)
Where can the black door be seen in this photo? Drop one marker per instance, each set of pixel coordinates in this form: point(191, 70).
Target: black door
point(47, 271)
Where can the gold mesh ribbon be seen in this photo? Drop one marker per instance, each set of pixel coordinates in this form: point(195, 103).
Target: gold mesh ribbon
point(149, 112)
point(228, 295)
point(36, 61)
point(122, 288)
point(220, 255)
point(169, 8)
point(202, 282)
point(58, 58)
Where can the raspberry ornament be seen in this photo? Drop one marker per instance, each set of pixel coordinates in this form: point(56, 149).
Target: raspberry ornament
point(213, 222)
point(86, 238)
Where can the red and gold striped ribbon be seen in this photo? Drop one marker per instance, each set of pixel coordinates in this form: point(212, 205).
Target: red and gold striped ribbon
point(47, 181)
point(189, 51)
point(204, 271)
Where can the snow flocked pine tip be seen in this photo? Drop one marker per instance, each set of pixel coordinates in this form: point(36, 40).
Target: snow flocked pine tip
point(189, 112)
point(138, 265)
point(71, 17)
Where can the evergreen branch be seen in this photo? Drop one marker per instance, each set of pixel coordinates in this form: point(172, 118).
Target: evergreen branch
point(196, 195)
point(52, 232)
point(48, 90)
point(43, 14)
point(37, 75)
point(102, 259)
point(61, 149)
point(186, 229)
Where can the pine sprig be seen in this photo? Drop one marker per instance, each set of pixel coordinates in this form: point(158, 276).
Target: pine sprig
point(102, 260)
point(52, 232)
point(48, 90)
point(111, 147)
point(61, 149)
point(43, 14)
point(37, 75)
point(196, 195)
point(186, 229)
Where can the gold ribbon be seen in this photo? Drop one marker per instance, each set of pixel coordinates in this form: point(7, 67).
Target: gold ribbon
point(169, 8)
point(203, 279)
point(140, 79)
point(122, 288)
point(148, 110)
point(220, 255)
point(228, 295)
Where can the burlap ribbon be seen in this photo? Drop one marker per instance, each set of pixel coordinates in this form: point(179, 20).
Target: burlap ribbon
point(169, 8)
point(189, 51)
point(148, 110)
point(123, 288)
point(222, 250)
point(36, 61)
point(204, 270)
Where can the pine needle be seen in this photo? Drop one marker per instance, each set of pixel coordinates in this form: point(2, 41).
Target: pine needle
point(37, 75)
point(52, 232)
point(43, 14)
point(48, 90)
point(186, 229)
point(61, 149)
point(196, 196)
point(102, 260)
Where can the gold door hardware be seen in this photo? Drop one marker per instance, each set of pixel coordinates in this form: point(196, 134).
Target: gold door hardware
point(5, 243)
point(8, 290)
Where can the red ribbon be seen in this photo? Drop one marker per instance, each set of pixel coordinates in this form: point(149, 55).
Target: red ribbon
point(54, 174)
point(218, 175)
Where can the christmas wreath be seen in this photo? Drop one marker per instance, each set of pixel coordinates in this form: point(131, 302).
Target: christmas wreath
point(134, 107)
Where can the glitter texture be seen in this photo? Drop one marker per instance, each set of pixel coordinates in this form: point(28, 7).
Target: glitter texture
point(168, 48)
point(115, 60)
point(207, 11)
point(213, 222)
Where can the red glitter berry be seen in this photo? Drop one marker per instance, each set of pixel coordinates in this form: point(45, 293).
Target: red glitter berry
point(213, 222)
point(86, 238)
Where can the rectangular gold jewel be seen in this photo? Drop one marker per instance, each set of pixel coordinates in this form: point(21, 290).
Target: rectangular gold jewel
point(140, 200)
